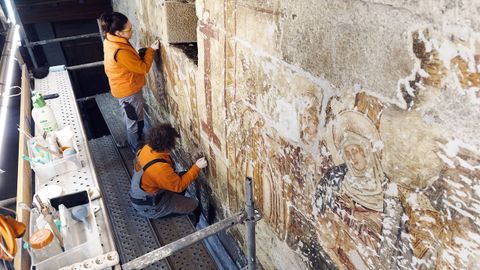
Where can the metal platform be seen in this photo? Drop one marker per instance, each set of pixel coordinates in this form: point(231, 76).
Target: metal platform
point(66, 110)
point(134, 235)
point(195, 256)
point(167, 229)
point(112, 114)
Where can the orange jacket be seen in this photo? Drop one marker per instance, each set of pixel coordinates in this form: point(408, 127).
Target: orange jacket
point(161, 175)
point(124, 67)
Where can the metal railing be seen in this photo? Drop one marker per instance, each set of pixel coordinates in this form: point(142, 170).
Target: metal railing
point(87, 65)
point(6, 54)
point(53, 40)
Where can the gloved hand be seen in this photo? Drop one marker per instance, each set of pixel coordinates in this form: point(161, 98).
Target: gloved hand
point(155, 45)
point(201, 163)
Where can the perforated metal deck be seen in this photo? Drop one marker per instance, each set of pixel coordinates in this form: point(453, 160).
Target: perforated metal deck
point(134, 235)
point(66, 111)
point(169, 229)
point(112, 114)
point(195, 256)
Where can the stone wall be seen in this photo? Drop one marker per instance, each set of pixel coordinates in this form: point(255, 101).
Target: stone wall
point(357, 119)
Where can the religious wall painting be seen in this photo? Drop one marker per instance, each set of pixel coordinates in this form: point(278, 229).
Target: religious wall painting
point(423, 216)
point(255, 150)
point(354, 200)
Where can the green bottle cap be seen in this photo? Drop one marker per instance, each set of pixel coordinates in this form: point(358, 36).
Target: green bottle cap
point(37, 100)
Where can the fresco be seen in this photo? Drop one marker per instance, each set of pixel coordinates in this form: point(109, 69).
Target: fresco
point(360, 132)
point(357, 196)
point(374, 218)
point(403, 190)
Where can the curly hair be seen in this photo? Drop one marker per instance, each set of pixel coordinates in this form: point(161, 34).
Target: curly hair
point(162, 138)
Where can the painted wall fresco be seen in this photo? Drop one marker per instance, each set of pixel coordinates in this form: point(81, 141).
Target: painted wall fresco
point(356, 119)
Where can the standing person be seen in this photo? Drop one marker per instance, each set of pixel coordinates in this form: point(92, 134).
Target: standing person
point(156, 189)
point(126, 72)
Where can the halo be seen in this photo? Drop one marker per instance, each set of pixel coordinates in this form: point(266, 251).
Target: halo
point(349, 121)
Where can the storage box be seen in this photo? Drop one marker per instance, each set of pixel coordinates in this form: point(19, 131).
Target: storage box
point(85, 242)
point(53, 167)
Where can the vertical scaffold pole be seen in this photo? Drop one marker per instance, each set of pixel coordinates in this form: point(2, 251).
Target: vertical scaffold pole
point(23, 34)
point(250, 224)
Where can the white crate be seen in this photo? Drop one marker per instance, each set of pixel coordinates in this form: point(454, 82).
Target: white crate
point(47, 171)
point(86, 243)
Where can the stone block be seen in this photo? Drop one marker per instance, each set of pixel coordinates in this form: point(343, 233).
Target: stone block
point(180, 22)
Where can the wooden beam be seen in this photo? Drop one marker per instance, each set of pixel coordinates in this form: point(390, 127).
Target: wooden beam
point(61, 10)
point(24, 178)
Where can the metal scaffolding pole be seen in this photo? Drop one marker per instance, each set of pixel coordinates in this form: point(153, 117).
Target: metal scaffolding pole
point(29, 48)
point(43, 42)
point(88, 65)
point(99, 24)
point(6, 202)
point(23, 35)
point(250, 224)
point(6, 53)
point(167, 250)
point(250, 216)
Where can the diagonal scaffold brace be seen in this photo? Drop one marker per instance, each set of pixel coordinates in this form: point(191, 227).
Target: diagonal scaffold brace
point(249, 216)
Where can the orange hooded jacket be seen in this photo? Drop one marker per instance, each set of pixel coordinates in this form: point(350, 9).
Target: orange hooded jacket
point(160, 175)
point(124, 67)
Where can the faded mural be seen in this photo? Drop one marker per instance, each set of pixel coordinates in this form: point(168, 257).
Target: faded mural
point(358, 197)
point(379, 219)
point(358, 121)
point(403, 190)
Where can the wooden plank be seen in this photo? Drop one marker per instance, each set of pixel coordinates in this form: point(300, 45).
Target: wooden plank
point(24, 179)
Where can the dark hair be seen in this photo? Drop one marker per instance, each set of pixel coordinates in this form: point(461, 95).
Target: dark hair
point(112, 22)
point(162, 138)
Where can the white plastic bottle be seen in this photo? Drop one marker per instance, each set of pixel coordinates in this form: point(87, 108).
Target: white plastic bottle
point(42, 114)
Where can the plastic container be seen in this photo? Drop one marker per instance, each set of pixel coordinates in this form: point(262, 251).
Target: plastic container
point(52, 143)
point(53, 167)
point(44, 245)
point(42, 114)
point(38, 155)
point(65, 137)
point(47, 192)
point(81, 243)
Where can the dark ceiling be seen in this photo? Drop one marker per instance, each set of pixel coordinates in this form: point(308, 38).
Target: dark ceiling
point(36, 11)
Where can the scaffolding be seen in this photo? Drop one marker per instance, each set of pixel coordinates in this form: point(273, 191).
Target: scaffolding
point(249, 216)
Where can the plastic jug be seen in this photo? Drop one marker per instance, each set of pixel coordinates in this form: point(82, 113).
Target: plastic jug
point(42, 114)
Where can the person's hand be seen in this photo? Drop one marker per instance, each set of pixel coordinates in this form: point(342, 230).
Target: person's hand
point(155, 45)
point(201, 163)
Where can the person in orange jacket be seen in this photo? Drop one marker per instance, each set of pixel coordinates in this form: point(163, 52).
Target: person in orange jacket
point(126, 71)
point(156, 189)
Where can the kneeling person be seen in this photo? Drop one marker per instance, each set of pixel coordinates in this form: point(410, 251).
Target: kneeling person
point(155, 187)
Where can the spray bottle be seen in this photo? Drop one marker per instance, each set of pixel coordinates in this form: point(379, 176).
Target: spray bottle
point(42, 114)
